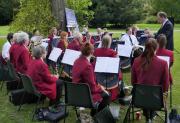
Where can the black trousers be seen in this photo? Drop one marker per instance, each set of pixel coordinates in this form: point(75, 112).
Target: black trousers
point(59, 87)
point(102, 104)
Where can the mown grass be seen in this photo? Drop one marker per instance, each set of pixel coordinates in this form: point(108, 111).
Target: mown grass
point(9, 113)
point(4, 30)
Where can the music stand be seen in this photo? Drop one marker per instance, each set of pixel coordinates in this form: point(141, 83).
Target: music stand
point(107, 71)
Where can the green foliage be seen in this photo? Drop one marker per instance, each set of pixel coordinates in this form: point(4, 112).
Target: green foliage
point(171, 7)
point(8, 8)
point(117, 11)
point(81, 8)
point(34, 14)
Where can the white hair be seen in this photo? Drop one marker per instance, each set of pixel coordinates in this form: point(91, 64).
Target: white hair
point(22, 37)
point(77, 35)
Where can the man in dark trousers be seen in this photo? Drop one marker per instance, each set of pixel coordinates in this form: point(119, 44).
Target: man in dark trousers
point(166, 29)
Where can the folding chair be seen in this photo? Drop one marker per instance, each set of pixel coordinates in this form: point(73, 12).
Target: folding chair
point(104, 116)
point(146, 97)
point(78, 95)
point(29, 88)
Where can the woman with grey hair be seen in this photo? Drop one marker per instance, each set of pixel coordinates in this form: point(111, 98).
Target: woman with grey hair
point(46, 83)
point(19, 53)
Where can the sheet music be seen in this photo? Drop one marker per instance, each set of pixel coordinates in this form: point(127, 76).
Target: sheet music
point(124, 50)
point(165, 58)
point(55, 53)
point(70, 56)
point(45, 40)
point(44, 44)
point(107, 65)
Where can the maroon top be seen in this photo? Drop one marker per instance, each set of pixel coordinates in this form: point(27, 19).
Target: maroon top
point(42, 79)
point(169, 53)
point(74, 45)
point(19, 57)
point(82, 72)
point(156, 74)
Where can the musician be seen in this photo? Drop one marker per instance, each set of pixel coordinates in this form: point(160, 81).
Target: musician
point(53, 33)
point(19, 53)
point(148, 69)
point(63, 43)
point(7, 46)
point(76, 43)
point(46, 83)
point(162, 51)
point(105, 51)
point(129, 38)
point(88, 38)
point(83, 72)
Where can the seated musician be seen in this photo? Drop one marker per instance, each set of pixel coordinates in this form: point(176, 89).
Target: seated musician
point(7, 46)
point(19, 53)
point(105, 51)
point(63, 43)
point(76, 43)
point(162, 51)
point(148, 69)
point(46, 83)
point(128, 38)
point(88, 38)
point(83, 72)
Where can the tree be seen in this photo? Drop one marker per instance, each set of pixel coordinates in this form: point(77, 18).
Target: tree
point(34, 14)
point(8, 8)
point(82, 11)
point(171, 7)
point(118, 12)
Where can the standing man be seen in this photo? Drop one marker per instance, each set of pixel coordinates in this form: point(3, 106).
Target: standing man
point(166, 29)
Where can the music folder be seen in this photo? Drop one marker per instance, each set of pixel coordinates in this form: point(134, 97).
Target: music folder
point(70, 56)
point(55, 53)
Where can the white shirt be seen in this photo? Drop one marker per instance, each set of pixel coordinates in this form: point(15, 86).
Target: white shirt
point(127, 41)
point(5, 50)
point(165, 22)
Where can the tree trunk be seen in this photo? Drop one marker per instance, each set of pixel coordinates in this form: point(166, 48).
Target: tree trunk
point(58, 11)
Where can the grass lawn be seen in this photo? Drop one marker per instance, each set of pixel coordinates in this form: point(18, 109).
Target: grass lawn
point(9, 113)
point(4, 30)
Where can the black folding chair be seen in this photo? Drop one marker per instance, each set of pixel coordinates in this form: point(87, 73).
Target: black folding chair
point(78, 95)
point(29, 88)
point(146, 97)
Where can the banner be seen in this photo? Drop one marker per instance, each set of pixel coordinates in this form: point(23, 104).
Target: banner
point(71, 19)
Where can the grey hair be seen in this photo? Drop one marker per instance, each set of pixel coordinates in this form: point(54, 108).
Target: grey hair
point(22, 37)
point(38, 52)
point(106, 41)
point(77, 35)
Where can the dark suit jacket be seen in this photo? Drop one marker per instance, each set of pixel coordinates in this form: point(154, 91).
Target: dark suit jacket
point(167, 30)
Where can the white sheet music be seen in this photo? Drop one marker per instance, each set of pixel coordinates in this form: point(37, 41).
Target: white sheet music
point(44, 44)
point(70, 56)
point(165, 58)
point(124, 50)
point(55, 53)
point(107, 65)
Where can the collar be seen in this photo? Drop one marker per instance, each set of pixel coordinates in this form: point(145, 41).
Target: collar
point(88, 58)
point(165, 22)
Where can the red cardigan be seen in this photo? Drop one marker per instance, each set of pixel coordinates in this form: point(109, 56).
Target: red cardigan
point(105, 52)
point(82, 72)
point(20, 57)
point(156, 74)
point(169, 53)
point(42, 79)
point(74, 45)
point(91, 40)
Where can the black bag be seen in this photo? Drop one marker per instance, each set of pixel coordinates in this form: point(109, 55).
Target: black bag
point(14, 85)
point(16, 97)
point(51, 114)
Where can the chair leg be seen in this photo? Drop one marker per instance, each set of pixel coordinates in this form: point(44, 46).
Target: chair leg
point(36, 107)
point(2, 83)
point(77, 115)
point(166, 116)
point(65, 114)
point(133, 112)
point(21, 101)
point(170, 95)
point(127, 116)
